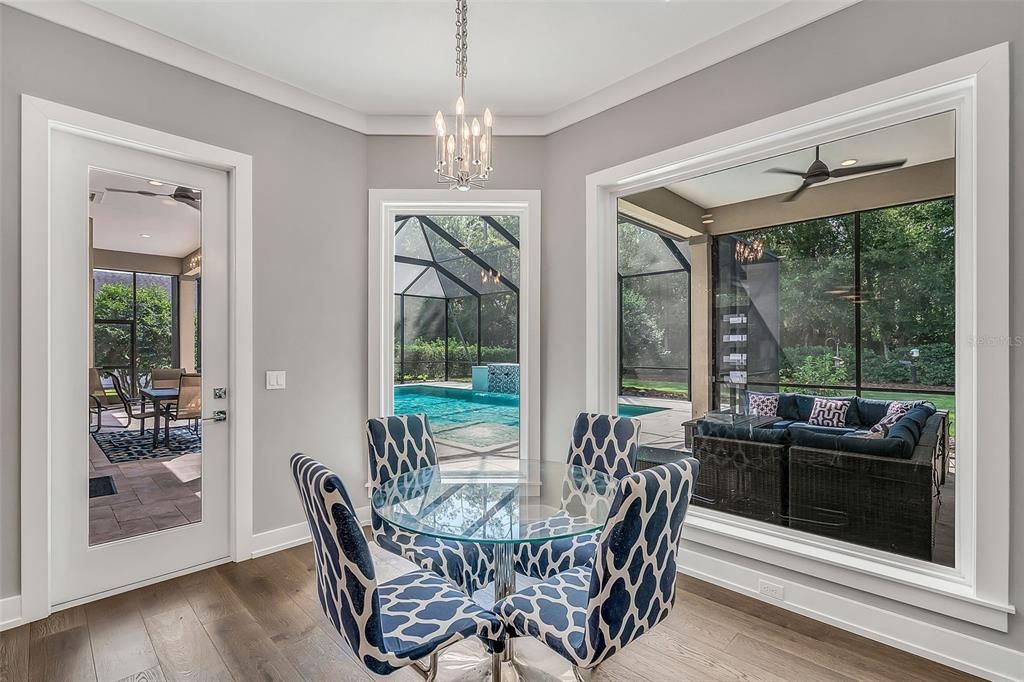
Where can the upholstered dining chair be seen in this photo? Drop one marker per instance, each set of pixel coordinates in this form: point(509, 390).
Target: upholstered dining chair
point(392, 624)
point(189, 405)
point(135, 409)
point(397, 445)
point(588, 613)
point(606, 443)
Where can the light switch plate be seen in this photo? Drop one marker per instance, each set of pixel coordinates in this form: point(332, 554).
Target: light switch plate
point(275, 379)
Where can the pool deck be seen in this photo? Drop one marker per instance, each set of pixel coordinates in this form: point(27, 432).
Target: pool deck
point(661, 429)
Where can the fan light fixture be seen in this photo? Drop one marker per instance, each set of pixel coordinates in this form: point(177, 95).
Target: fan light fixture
point(464, 158)
point(156, 183)
point(145, 236)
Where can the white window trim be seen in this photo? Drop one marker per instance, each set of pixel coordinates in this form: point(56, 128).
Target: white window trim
point(39, 118)
point(385, 204)
point(976, 87)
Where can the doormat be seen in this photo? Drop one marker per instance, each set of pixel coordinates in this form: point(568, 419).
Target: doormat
point(101, 486)
point(132, 446)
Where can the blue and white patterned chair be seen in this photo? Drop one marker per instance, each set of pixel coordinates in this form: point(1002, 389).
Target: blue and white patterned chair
point(392, 624)
point(602, 442)
point(588, 613)
point(397, 445)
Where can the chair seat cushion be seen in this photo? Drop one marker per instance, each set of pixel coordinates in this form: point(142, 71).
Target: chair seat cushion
point(468, 565)
point(420, 612)
point(554, 611)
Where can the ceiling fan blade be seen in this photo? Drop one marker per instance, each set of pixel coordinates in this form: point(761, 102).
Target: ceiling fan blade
point(143, 192)
point(871, 167)
point(785, 171)
point(799, 190)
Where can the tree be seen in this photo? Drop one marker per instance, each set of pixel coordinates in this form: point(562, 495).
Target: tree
point(152, 312)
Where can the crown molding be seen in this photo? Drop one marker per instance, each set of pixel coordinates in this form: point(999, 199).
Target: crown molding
point(93, 21)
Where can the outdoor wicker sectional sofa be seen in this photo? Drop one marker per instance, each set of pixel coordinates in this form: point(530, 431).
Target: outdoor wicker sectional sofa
point(831, 481)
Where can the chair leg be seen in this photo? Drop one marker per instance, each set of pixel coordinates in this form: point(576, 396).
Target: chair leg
point(142, 425)
point(495, 667)
point(427, 672)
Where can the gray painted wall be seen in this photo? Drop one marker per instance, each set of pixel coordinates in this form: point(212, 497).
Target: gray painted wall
point(311, 277)
point(864, 44)
point(309, 251)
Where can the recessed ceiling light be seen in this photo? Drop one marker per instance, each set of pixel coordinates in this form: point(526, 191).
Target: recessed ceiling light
point(145, 236)
point(848, 162)
point(156, 183)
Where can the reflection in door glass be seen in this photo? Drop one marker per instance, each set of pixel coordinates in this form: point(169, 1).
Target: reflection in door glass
point(145, 386)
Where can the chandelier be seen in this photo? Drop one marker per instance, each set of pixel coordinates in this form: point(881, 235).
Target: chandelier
point(464, 156)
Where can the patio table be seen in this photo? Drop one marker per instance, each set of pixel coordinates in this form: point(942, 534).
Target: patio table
point(501, 508)
point(161, 395)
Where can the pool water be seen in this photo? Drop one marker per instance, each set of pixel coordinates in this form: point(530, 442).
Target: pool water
point(475, 418)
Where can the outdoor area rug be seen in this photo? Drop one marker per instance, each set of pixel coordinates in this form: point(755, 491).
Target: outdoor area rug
point(101, 486)
point(131, 446)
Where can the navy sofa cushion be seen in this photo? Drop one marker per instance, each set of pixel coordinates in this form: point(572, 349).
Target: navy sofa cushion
point(827, 430)
point(880, 447)
point(911, 425)
point(797, 407)
point(739, 432)
point(782, 424)
point(870, 412)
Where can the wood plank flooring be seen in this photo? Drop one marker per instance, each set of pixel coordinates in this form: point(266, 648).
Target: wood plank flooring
point(260, 620)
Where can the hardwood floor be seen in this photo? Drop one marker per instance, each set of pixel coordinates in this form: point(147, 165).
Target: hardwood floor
point(260, 620)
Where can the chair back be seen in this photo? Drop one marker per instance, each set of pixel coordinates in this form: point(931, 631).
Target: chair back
point(96, 386)
point(345, 579)
point(397, 445)
point(165, 377)
point(633, 580)
point(605, 442)
point(119, 390)
point(190, 397)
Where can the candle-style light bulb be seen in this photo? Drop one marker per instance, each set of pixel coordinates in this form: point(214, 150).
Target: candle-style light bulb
point(460, 106)
point(488, 119)
point(476, 128)
point(465, 131)
point(439, 124)
point(451, 144)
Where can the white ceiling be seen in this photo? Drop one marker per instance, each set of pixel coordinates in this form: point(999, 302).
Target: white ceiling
point(119, 219)
point(921, 141)
point(384, 67)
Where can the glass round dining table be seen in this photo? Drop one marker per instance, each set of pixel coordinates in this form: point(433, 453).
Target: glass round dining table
point(521, 502)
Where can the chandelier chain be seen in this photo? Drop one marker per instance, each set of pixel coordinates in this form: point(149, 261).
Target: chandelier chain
point(461, 38)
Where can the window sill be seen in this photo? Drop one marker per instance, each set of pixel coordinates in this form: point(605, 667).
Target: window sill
point(910, 581)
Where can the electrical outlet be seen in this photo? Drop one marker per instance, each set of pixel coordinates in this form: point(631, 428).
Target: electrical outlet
point(771, 590)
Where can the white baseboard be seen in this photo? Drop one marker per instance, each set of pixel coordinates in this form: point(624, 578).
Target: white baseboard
point(286, 537)
point(279, 539)
point(10, 612)
point(970, 654)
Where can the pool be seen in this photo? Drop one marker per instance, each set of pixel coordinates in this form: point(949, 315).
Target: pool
point(474, 418)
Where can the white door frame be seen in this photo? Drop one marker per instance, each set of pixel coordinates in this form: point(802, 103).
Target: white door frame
point(38, 118)
point(385, 204)
point(976, 87)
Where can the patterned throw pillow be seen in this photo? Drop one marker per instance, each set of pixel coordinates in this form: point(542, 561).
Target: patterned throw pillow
point(827, 412)
point(893, 414)
point(763, 404)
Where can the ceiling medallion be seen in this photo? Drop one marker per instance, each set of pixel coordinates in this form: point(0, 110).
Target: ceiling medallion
point(464, 156)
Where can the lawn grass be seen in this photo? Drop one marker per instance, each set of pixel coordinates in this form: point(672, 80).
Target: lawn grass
point(674, 387)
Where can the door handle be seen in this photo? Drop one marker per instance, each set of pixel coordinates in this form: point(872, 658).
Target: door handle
point(218, 416)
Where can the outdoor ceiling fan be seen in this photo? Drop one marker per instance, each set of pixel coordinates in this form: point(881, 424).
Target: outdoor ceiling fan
point(818, 172)
point(184, 195)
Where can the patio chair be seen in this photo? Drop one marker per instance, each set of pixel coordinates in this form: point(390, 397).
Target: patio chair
point(99, 401)
point(132, 407)
point(166, 377)
point(589, 613)
point(389, 625)
point(605, 443)
point(397, 445)
point(189, 405)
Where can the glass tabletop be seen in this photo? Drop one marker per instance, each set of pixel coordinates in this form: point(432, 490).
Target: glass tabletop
point(528, 502)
